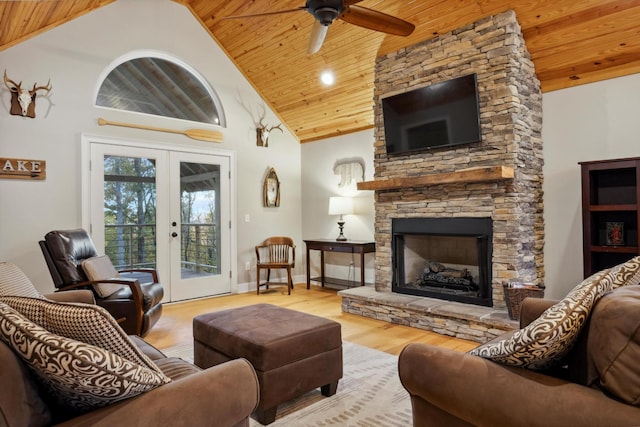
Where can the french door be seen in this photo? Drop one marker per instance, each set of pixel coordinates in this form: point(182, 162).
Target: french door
point(200, 220)
point(164, 209)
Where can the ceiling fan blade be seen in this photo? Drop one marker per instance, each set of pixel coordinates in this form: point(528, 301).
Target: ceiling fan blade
point(374, 20)
point(277, 12)
point(318, 33)
point(346, 3)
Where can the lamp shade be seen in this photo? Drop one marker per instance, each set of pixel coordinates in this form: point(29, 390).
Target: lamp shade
point(340, 205)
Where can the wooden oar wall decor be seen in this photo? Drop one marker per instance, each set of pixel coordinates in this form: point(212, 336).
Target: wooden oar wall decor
point(200, 134)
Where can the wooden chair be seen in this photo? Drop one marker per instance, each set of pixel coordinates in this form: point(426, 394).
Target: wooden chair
point(275, 252)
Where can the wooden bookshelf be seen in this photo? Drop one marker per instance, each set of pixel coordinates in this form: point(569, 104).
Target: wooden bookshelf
point(610, 214)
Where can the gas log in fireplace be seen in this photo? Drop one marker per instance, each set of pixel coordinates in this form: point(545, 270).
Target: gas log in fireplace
point(445, 258)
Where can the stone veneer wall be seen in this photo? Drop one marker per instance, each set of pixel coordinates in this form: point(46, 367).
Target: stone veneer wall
point(511, 122)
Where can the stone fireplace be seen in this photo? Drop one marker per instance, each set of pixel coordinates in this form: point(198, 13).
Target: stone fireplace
point(499, 179)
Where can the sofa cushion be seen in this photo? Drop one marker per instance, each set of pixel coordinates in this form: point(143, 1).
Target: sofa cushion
point(20, 400)
point(78, 376)
point(613, 345)
point(87, 323)
point(101, 268)
point(14, 282)
point(546, 340)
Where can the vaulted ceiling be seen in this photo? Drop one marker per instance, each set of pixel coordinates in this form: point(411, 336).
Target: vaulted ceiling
point(571, 43)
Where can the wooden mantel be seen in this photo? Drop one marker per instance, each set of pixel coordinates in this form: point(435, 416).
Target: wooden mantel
point(480, 174)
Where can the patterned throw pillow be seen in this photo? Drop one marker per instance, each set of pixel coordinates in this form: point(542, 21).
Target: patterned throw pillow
point(87, 323)
point(627, 274)
point(101, 268)
point(551, 336)
point(79, 376)
point(14, 282)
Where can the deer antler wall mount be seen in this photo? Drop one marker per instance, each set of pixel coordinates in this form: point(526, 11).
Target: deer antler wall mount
point(262, 134)
point(262, 130)
point(23, 101)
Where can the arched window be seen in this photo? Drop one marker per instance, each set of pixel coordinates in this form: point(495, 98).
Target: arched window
point(162, 86)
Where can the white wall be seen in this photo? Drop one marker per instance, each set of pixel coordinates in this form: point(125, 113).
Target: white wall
point(319, 183)
point(74, 55)
point(590, 122)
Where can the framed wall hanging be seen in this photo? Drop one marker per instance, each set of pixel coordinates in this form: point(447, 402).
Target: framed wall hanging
point(271, 189)
point(615, 233)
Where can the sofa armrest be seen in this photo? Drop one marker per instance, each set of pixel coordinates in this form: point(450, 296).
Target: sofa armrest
point(78, 295)
point(149, 350)
point(458, 389)
point(223, 395)
point(532, 308)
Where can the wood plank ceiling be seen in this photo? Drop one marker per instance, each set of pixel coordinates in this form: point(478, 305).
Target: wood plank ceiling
point(571, 43)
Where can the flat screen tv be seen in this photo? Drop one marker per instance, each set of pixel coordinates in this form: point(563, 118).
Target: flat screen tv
point(440, 115)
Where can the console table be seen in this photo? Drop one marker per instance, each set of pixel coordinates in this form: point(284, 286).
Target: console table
point(328, 245)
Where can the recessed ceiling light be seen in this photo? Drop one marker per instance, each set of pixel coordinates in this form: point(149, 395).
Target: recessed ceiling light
point(327, 78)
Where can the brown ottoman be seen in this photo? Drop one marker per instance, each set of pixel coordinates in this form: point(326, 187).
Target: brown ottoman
point(292, 352)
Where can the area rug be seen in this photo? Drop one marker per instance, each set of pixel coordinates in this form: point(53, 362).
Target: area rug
point(369, 394)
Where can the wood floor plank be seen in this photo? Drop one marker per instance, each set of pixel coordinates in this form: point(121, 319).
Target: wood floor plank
point(175, 326)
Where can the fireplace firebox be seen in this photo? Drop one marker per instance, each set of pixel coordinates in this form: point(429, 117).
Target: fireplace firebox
point(445, 258)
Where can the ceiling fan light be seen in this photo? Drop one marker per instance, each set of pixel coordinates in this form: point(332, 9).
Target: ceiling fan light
point(326, 15)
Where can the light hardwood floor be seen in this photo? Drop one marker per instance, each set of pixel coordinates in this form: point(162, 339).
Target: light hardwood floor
point(175, 326)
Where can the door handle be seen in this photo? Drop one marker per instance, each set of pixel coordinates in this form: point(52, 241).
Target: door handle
point(174, 234)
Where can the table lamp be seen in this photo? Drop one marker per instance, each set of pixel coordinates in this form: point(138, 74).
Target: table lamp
point(340, 206)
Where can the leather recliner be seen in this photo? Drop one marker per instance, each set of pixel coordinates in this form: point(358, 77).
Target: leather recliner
point(136, 307)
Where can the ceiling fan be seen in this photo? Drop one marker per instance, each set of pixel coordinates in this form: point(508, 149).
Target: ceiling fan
point(326, 11)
